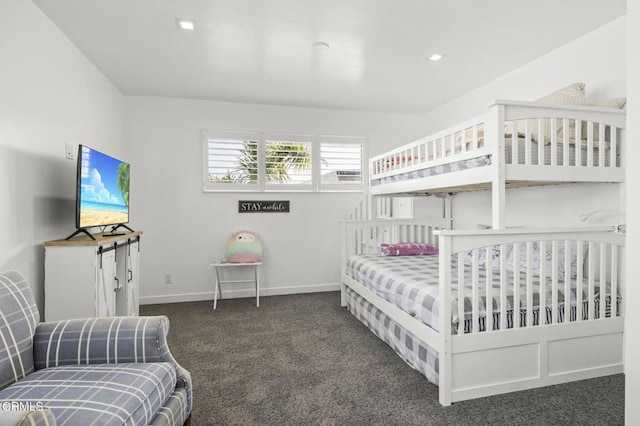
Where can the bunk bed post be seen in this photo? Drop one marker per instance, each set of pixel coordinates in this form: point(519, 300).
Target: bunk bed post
point(444, 359)
point(345, 254)
point(358, 211)
point(447, 209)
point(493, 130)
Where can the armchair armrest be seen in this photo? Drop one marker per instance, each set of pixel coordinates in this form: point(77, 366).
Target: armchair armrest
point(107, 341)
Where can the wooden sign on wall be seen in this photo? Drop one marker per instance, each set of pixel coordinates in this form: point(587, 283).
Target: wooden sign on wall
point(263, 206)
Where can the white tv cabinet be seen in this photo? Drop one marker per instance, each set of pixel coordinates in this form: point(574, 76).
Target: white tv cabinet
point(92, 278)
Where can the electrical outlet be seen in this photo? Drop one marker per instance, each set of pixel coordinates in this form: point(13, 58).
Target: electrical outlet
point(167, 278)
point(68, 151)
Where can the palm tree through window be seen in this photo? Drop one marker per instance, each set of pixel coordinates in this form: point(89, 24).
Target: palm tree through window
point(269, 162)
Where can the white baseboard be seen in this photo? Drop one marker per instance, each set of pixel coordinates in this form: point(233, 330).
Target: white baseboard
point(234, 294)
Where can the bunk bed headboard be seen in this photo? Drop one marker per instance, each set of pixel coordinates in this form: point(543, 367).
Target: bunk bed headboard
point(369, 223)
point(365, 236)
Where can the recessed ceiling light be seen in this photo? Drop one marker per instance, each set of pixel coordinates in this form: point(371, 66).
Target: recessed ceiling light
point(436, 57)
point(321, 45)
point(185, 24)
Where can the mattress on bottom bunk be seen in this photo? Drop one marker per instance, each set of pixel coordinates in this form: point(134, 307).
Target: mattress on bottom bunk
point(412, 350)
point(485, 160)
point(411, 283)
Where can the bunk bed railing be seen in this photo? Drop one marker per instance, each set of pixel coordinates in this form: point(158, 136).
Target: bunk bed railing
point(457, 143)
point(365, 236)
point(367, 207)
point(534, 134)
point(530, 277)
point(562, 135)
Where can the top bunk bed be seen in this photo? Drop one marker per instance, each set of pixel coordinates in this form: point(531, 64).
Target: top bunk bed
point(514, 144)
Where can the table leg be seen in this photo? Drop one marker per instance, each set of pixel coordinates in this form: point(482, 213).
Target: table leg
point(216, 288)
point(257, 276)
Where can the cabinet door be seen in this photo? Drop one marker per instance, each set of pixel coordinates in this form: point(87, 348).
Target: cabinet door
point(133, 279)
point(128, 278)
point(107, 284)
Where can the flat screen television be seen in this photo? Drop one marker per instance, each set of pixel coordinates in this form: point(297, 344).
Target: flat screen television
point(102, 191)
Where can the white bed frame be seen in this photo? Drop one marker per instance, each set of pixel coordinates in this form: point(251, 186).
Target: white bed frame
point(440, 149)
point(478, 364)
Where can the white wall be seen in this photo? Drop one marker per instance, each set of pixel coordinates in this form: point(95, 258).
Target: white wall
point(50, 94)
point(185, 228)
point(632, 318)
point(599, 60)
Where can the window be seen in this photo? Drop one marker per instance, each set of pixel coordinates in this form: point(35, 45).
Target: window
point(341, 162)
point(288, 162)
point(244, 161)
point(231, 161)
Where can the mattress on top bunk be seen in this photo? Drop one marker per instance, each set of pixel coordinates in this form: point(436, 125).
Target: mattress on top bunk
point(455, 166)
point(411, 283)
point(485, 160)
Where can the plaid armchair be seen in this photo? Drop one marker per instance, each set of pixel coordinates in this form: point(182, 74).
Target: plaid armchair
point(106, 371)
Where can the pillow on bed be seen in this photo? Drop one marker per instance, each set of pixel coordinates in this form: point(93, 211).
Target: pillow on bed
point(408, 249)
point(571, 95)
point(616, 103)
point(522, 261)
point(482, 257)
point(468, 138)
point(562, 267)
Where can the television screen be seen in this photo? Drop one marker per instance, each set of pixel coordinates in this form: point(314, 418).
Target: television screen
point(102, 189)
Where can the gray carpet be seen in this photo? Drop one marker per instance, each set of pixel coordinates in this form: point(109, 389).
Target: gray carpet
point(304, 360)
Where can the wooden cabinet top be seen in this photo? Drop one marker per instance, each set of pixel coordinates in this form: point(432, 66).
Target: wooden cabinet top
point(100, 239)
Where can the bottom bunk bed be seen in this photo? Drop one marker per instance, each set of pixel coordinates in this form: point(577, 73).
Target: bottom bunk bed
point(554, 313)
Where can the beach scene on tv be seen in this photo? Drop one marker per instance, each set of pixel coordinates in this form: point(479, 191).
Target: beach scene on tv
point(104, 190)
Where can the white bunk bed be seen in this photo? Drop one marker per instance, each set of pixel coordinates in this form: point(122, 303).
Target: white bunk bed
point(504, 148)
point(555, 310)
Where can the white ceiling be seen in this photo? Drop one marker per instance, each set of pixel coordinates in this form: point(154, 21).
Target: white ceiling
point(261, 51)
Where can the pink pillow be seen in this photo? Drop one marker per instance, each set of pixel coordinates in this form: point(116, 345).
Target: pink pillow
point(408, 249)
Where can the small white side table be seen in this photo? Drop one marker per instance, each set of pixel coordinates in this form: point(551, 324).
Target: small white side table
point(219, 267)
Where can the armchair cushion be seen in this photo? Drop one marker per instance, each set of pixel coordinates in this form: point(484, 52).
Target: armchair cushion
point(107, 340)
point(105, 394)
